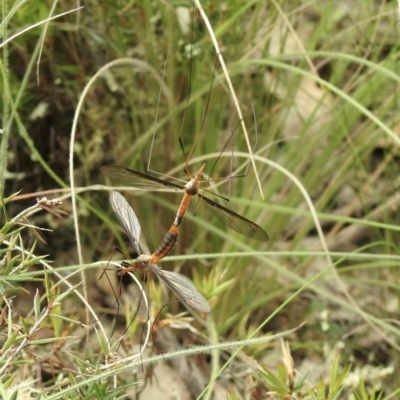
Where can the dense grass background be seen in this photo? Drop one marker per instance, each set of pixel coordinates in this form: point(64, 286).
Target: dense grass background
point(321, 79)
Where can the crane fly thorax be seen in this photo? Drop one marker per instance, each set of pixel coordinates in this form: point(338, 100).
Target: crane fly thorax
point(143, 261)
point(192, 187)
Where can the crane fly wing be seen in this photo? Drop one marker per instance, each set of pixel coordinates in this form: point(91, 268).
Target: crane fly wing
point(129, 177)
point(127, 218)
point(237, 222)
point(184, 289)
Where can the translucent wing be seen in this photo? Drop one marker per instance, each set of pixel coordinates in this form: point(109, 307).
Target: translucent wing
point(184, 289)
point(129, 177)
point(127, 218)
point(237, 222)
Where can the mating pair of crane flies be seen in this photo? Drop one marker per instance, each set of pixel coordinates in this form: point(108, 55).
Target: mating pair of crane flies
point(181, 286)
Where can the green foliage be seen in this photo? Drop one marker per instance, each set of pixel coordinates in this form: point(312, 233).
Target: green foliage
point(317, 87)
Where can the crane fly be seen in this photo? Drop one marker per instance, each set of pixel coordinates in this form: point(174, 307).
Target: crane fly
point(126, 176)
point(140, 180)
point(181, 286)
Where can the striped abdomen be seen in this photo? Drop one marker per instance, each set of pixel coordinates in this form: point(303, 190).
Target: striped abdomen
point(170, 238)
